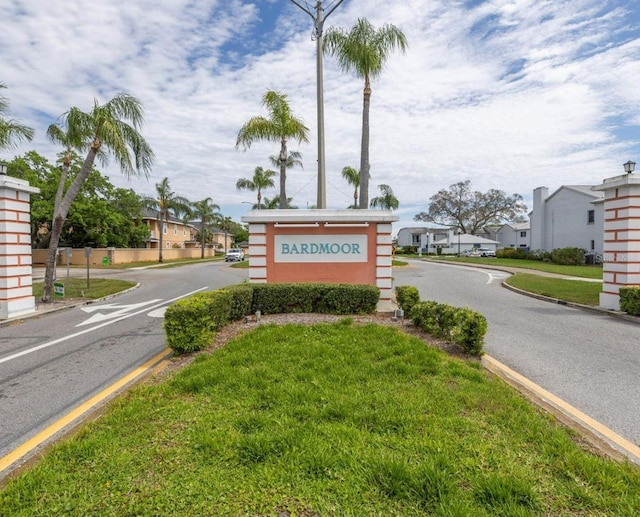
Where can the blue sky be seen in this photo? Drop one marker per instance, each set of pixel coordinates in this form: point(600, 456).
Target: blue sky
point(510, 94)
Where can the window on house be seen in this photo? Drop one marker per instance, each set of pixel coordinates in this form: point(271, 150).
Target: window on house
point(415, 239)
point(591, 215)
point(175, 229)
point(184, 232)
point(523, 234)
point(593, 245)
point(164, 228)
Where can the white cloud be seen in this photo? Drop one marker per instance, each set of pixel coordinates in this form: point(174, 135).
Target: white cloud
point(510, 94)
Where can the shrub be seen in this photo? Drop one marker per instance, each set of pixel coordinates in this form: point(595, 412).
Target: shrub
point(512, 253)
point(325, 298)
point(407, 296)
point(630, 300)
point(241, 300)
point(465, 327)
point(191, 323)
point(568, 256)
point(539, 255)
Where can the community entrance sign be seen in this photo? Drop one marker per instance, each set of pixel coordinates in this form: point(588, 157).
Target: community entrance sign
point(334, 246)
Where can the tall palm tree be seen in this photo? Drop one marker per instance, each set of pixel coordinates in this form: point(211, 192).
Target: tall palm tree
point(108, 129)
point(225, 225)
point(11, 131)
point(207, 212)
point(261, 180)
point(280, 126)
point(166, 203)
point(364, 50)
point(353, 178)
point(386, 200)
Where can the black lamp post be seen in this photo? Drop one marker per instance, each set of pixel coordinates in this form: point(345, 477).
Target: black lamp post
point(629, 167)
point(3, 169)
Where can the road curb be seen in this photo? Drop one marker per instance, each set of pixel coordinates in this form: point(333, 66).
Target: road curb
point(598, 435)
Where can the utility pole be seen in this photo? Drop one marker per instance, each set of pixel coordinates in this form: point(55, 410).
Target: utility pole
point(318, 24)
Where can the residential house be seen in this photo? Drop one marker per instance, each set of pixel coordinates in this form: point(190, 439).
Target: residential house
point(514, 235)
point(175, 233)
point(573, 216)
point(456, 243)
point(420, 237)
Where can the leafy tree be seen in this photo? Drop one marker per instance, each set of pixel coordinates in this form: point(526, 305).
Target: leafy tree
point(11, 131)
point(294, 159)
point(166, 203)
point(100, 215)
point(364, 50)
point(261, 180)
point(353, 178)
point(207, 212)
point(101, 132)
point(470, 211)
point(386, 200)
point(280, 126)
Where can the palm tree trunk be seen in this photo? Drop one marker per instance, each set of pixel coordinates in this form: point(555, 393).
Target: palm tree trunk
point(60, 216)
point(202, 240)
point(160, 234)
point(364, 149)
point(283, 174)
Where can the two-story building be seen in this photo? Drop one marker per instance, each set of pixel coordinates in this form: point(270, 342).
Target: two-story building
point(573, 216)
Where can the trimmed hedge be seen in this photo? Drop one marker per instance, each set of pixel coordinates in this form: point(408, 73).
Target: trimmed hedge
point(630, 300)
point(190, 324)
point(568, 256)
point(323, 298)
point(407, 296)
point(464, 327)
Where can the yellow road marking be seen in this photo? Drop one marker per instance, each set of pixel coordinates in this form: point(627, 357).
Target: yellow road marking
point(83, 408)
point(629, 449)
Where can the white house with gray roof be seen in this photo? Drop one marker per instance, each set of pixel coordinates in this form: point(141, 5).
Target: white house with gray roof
point(573, 216)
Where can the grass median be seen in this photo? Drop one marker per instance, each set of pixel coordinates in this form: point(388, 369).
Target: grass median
point(329, 419)
point(576, 291)
point(76, 288)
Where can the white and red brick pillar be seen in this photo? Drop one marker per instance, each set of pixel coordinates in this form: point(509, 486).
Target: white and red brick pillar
point(16, 295)
point(621, 253)
point(332, 246)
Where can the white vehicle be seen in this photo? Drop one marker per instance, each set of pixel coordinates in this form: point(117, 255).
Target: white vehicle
point(234, 255)
point(486, 252)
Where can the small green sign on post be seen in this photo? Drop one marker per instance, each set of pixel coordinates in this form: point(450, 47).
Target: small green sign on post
point(58, 289)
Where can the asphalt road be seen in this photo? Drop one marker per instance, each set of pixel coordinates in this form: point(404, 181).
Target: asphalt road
point(52, 363)
point(590, 360)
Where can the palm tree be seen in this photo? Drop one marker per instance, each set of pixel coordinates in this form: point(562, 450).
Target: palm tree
point(11, 131)
point(261, 180)
point(386, 200)
point(294, 158)
point(166, 203)
point(207, 212)
point(271, 204)
point(353, 178)
point(280, 126)
point(364, 50)
point(225, 225)
point(101, 132)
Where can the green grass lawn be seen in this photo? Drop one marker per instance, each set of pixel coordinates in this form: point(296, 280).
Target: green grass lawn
point(577, 291)
point(580, 271)
point(76, 288)
point(330, 419)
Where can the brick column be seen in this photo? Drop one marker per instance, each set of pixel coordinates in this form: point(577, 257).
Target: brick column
point(16, 295)
point(621, 264)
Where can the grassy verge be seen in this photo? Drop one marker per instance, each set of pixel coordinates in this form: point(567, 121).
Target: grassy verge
point(577, 291)
point(324, 420)
point(76, 288)
point(548, 267)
